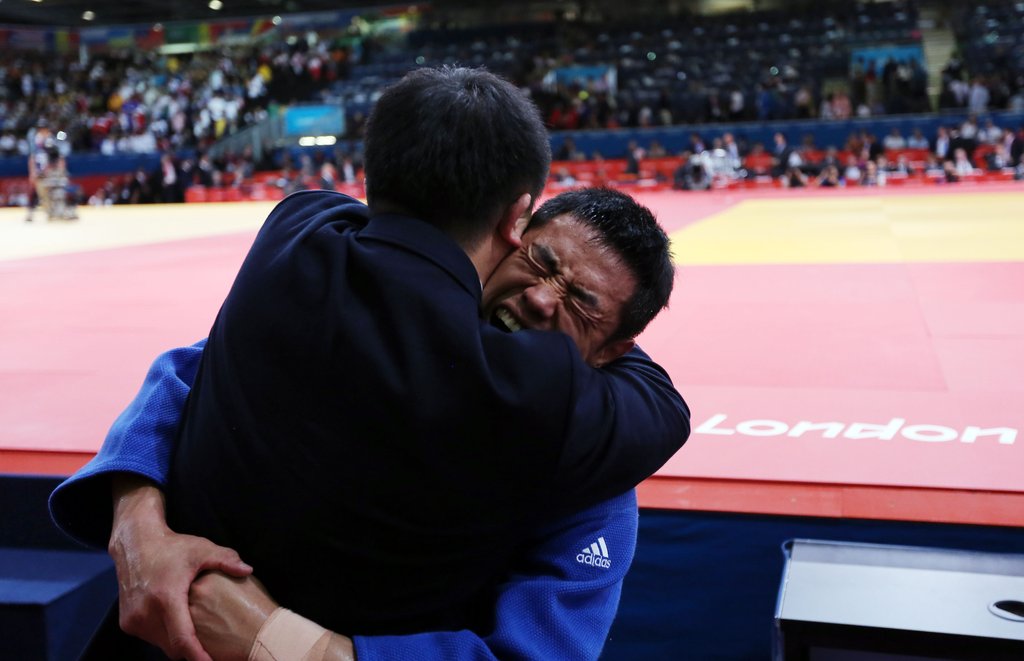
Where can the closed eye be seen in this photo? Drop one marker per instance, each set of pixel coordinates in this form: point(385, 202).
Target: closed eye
point(545, 258)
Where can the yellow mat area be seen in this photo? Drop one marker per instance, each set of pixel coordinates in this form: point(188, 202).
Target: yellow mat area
point(974, 227)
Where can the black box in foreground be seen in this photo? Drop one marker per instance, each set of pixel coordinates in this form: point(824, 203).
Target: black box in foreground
point(864, 602)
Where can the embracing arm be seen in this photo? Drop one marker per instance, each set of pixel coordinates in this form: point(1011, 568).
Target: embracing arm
point(139, 443)
point(628, 421)
point(155, 566)
point(558, 602)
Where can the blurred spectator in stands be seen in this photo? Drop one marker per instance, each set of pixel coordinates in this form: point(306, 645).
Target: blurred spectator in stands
point(732, 149)
point(803, 101)
point(969, 129)
point(872, 148)
point(563, 178)
point(858, 83)
point(141, 189)
point(242, 167)
point(933, 166)
point(1016, 101)
point(105, 195)
point(169, 179)
point(826, 110)
point(691, 175)
point(656, 150)
point(895, 140)
point(206, 174)
point(829, 177)
point(328, 175)
point(852, 172)
point(568, 152)
point(978, 97)
point(962, 163)
point(348, 169)
point(949, 172)
point(696, 143)
point(997, 158)
point(634, 155)
point(830, 159)
point(306, 168)
point(990, 134)
point(645, 117)
point(794, 177)
point(902, 166)
point(917, 140)
point(8, 144)
point(941, 145)
point(1017, 148)
point(872, 175)
point(841, 106)
point(782, 153)
point(737, 105)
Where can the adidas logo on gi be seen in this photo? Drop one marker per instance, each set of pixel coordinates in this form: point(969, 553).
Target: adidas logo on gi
point(595, 555)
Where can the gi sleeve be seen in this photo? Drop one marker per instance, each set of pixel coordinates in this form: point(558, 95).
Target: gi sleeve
point(140, 442)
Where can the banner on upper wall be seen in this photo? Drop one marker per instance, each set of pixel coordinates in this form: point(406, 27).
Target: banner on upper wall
point(55, 40)
point(596, 78)
point(314, 120)
point(391, 19)
point(874, 58)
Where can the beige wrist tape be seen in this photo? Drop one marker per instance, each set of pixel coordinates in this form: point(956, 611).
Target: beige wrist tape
point(287, 636)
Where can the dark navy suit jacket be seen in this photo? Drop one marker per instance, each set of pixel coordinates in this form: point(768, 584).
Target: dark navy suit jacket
point(374, 449)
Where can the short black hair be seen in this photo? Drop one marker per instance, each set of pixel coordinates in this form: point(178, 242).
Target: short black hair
point(629, 229)
point(454, 146)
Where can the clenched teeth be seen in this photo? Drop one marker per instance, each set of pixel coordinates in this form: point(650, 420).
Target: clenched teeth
point(508, 320)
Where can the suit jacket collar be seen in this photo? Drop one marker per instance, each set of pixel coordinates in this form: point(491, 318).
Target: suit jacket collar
point(422, 238)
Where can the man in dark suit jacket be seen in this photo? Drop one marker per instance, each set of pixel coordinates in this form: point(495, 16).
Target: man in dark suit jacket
point(351, 403)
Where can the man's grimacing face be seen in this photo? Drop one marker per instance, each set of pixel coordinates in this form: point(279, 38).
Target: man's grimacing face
point(562, 279)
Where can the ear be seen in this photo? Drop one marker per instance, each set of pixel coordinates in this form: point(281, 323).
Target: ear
point(514, 220)
point(611, 351)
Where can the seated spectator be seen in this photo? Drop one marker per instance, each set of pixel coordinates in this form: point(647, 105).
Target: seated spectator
point(841, 106)
point(917, 140)
point(872, 176)
point(872, 148)
point(1017, 149)
point(990, 134)
point(941, 146)
point(829, 177)
point(895, 140)
point(902, 166)
point(656, 150)
point(969, 129)
point(634, 154)
point(794, 178)
point(564, 179)
point(961, 163)
point(826, 110)
point(830, 159)
point(933, 167)
point(732, 149)
point(852, 172)
point(567, 151)
point(691, 175)
point(950, 172)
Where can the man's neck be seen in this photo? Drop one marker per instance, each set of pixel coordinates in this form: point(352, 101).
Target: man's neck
point(485, 253)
